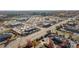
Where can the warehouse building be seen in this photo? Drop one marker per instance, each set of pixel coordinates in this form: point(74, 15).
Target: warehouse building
point(5, 36)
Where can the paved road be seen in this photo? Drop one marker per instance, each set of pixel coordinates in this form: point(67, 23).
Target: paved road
point(23, 40)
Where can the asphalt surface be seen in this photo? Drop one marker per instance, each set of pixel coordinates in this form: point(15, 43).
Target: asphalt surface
point(22, 41)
